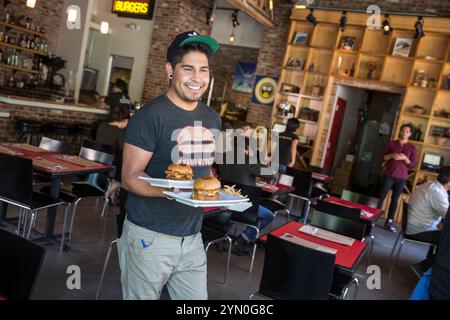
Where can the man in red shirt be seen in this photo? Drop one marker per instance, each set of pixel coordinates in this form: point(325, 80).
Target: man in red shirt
point(399, 156)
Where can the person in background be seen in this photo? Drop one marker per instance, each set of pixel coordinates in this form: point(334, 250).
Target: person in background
point(112, 133)
point(440, 275)
point(245, 174)
point(399, 157)
point(427, 206)
point(287, 146)
point(117, 97)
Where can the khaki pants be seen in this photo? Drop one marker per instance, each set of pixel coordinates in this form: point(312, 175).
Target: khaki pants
point(148, 260)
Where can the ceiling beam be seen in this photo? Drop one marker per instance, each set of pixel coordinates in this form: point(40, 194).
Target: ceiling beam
point(256, 10)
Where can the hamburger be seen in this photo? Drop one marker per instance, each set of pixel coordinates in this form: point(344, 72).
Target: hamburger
point(179, 172)
point(206, 188)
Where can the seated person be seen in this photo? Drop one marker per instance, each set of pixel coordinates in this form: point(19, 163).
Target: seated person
point(440, 277)
point(427, 205)
point(244, 174)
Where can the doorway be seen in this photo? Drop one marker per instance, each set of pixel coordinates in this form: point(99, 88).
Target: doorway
point(362, 124)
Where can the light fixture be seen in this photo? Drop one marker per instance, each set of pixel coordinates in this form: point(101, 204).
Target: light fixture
point(311, 17)
point(211, 14)
point(104, 27)
point(343, 21)
point(271, 9)
point(234, 18)
point(419, 28)
point(72, 15)
point(31, 3)
point(387, 25)
point(232, 37)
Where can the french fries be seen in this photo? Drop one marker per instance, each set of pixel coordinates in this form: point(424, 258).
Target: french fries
point(231, 190)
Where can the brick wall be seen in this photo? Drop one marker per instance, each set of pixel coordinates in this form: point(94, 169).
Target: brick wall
point(8, 128)
point(270, 58)
point(223, 67)
point(171, 18)
point(47, 14)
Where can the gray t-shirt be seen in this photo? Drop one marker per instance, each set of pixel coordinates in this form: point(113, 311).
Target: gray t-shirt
point(165, 129)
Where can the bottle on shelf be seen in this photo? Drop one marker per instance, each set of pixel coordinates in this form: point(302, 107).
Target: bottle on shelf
point(352, 70)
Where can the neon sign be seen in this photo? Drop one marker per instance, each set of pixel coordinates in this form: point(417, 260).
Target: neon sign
point(141, 9)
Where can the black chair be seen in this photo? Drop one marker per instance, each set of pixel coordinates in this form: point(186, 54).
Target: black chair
point(360, 198)
point(91, 144)
point(320, 189)
point(20, 266)
point(300, 198)
point(339, 210)
point(249, 217)
point(367, 201)
point(118, 227)
point(342, 281)
point(16, 188)
point(406, 238)
point(61, 131)
point(294, 272)
point(215, 230)
point(345, 227)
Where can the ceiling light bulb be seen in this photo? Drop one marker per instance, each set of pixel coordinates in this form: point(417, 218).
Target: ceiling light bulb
point(232, 38)
point(72, 15)
point(31, 3)
point(104, 27)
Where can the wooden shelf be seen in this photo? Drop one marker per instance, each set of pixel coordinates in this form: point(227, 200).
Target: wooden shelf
point(307, 121)
point(294, 70)
point(305, 96)
point(13, 26)
point(347, 51)
point(400, 57)
point(416, 142)
point(416, 115)
point(434, 61)
point(435, 146)
point(20, 69)
point(428, 173)
point(378, 55)
point(283, 117)
point(440, 119)
point(421, 88)
point(13, 46)
point(290, 94)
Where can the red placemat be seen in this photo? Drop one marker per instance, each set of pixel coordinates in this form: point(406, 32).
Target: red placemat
point(345, 256)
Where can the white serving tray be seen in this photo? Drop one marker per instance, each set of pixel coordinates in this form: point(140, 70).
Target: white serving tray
point(227, 200)
point(167, 183)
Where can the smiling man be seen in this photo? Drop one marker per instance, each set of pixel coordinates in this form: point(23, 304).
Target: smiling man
point(161, 241)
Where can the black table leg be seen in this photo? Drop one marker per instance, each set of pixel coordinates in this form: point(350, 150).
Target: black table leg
point(3, 210)
point(51, 214)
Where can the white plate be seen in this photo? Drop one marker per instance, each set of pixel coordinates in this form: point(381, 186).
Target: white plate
point(225, 201)
point(166, 183)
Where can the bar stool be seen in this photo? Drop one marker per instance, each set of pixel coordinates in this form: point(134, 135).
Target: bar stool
point(61, 132)
point(83, 132)
point(29, 130)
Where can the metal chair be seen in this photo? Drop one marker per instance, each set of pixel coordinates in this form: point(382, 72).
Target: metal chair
point(406, 238)
point(294, 272)
point(54, 145)
point(342, 281)
point(91, 186)
point(214, 231)
point(299, 199)
point(16, 175)
point(21, 263)
point(249, 217)
point(118, 226)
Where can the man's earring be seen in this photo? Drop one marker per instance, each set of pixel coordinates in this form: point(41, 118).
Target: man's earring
point(170, 76)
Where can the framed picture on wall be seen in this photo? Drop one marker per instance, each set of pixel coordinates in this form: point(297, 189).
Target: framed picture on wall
point(348, 43)
point(300, 38)
point(402, 47)
point(244, 77)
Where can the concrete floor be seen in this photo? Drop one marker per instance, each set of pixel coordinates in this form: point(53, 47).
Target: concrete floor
point(88, 251)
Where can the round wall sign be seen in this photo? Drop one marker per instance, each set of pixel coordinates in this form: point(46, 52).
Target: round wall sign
point(265, 89)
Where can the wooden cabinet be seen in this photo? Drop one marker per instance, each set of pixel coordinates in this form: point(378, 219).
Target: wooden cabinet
point(316, 56)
